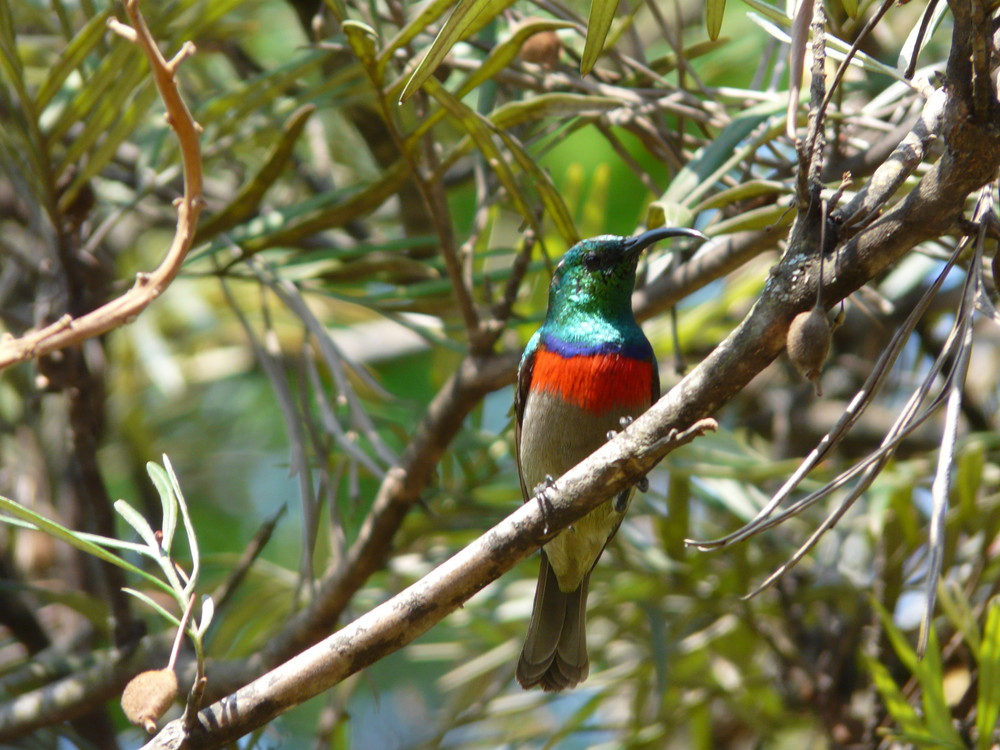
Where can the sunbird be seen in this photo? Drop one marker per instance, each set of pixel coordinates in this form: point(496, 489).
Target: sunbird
point(586, 372)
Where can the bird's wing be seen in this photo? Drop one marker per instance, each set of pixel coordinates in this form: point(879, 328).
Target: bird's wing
point(656, 381)
point(524, 372)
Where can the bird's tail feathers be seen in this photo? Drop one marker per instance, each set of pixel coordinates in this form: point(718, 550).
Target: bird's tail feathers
point(554, 656)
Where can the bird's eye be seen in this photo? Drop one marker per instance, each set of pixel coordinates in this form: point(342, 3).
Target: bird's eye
point(592, 260)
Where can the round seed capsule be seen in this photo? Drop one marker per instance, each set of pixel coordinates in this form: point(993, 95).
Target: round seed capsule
point(808, 344)
point(147, 697)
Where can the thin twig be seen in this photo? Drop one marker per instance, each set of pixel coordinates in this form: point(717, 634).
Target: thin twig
point(148, 286)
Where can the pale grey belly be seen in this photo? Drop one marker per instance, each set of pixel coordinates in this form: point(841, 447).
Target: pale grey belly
point(555, 437)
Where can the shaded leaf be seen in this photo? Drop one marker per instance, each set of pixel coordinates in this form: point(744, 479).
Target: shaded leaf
point(711, 162)
point(246, 202)
point(551, 105)
point(124, 125)
point(290, 226)
point(69, 60)
point(362, 38)
point(480, 131)
point(555, 207)
point(104, 94)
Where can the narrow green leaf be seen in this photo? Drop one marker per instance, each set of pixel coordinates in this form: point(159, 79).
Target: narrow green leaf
point(921, 32)
point(714, 12)
point(10, 61)
point(247, 201)
point(663, 214)
point(906, 653)
point(956, 606)
point(207, 614)
point(155, 605)
point(774, 21)
point(937, 714)
point(82, 45)
point(229, 111)
point(602, 13)
point(896, 704)
point(337, 8)
point(743, 191)
point(674, 528)
point(428, 14)
point(929, 671)
point(136, 520)
point(850, 7)
point(207, 15)
point(24, 119)
point(186, 517)
point(551, 105)
point(169, 505)
point(466, 19)
point(162, 483)
point(988, 657)
point(102, 541)
point(968, 478)
point(74, 539)
point(288, 228)
point(774, 216)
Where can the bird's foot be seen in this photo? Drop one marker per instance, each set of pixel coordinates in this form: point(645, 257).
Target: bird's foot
point(541, 491)
point(620, 502)
point(623, 422)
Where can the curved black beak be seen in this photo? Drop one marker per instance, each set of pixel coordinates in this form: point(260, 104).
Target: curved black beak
point(641, 241)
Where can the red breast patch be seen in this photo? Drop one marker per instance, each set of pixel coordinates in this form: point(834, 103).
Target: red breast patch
point(595, 382)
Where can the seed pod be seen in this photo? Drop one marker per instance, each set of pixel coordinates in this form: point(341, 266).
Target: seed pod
point(542, 48)
point(808, 344)
point(147, 697)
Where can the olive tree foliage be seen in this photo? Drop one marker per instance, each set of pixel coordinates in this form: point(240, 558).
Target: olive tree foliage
point(297, 247)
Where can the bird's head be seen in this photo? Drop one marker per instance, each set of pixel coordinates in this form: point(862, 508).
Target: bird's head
point(600, 271)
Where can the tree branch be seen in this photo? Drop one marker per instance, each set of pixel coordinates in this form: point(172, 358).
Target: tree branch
point(412, 612)
point(148, 286)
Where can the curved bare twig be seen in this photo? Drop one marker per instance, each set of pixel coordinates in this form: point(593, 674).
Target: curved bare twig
point(148, 286)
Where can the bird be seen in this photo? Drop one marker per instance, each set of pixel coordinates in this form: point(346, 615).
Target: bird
point(587, 371)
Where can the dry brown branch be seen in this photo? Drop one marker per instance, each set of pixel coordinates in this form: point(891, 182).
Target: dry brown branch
point(148, 286)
